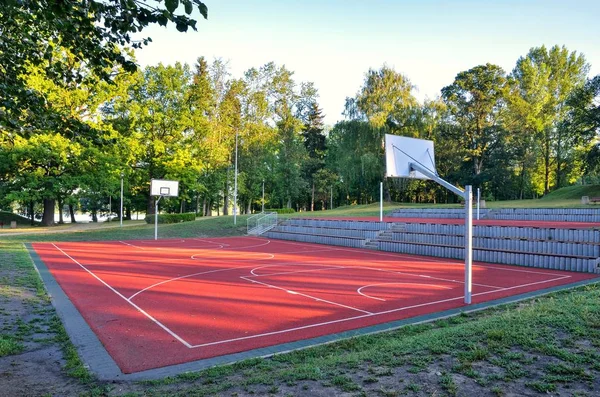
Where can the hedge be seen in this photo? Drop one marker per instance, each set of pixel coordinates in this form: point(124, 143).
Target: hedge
point(171, 218)
point(281, 210)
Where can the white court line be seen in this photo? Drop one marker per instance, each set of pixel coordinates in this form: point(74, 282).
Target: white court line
point(305, 295)
point(197, 274)
point(173, 334)
point(423, 276)
point(523, 285)
point(369, 314)
point(268, 256)
point(293, 272)
point(307, 251)
point(384, 300)
point(322, 324)
point(131, 245)
point(209, 241)
point(251, 246)
point(186, 276)
point(359, 317)
point(421, 258)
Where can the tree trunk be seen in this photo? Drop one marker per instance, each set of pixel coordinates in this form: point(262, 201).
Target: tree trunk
point(60, 212)
point(31, 212)
point(150, 205)
point(546, 148)
point(48, 217)
point(72, 213)
point(226, 197)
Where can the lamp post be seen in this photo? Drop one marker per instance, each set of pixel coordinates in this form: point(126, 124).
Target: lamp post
point(121, 210)
point(263, 197)
point(235, 181)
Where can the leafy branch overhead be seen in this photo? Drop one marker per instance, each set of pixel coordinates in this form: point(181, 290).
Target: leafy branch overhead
point(93, 31)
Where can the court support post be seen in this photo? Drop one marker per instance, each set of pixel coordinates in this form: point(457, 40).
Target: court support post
point(468, 241)
point(121, 205)
point(478, 200)
point(235, 181)
point(156, 218)
point(467, 194)
point(381, 202)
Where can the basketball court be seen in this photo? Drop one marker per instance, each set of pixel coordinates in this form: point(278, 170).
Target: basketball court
point(156, 304)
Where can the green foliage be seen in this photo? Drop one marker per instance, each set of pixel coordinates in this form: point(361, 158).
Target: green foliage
point(474, 101)
point(93, 31)
point(171, 218)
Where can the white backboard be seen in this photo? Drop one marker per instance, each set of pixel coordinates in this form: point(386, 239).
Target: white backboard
point(401, 151)
point(160, 187)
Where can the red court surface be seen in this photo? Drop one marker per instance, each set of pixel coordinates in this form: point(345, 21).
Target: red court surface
point(158, 303)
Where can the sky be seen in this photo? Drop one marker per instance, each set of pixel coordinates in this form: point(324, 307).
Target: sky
point(333, 43)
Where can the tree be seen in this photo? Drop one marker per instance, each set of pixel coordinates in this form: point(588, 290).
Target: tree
point(355, 154)
point(385, 99)
point(584, 118)
point(92, 30)
point(158, 117)
point(314, 143)
point(544, 80)
point(475, 100)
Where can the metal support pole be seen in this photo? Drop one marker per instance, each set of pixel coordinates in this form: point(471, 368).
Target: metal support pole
point(263, 197)
point(468, 242)
point(121, 210)
point(381, 202)
point(467, 194)
point(478, 199)
point(235, 181)
point(156, 218)
point(331, 198)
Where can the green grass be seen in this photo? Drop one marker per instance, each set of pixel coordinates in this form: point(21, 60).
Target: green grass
point(573, 193)
point(7, 217)
point(9, 345)
point(528, 329)
point(545, 343)
point(24, 284)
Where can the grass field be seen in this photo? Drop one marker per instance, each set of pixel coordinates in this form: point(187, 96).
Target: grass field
point(546, 345)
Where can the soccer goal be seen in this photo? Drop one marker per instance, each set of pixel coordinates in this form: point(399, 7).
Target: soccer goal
point(260, 223)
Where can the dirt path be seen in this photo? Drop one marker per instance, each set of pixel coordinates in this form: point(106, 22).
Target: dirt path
point(67, 228)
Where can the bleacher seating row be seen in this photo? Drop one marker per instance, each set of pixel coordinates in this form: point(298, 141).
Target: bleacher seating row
point(551, 248)
point(527, 214)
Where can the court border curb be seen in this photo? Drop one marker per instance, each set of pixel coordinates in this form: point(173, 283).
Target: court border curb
point(97, 360)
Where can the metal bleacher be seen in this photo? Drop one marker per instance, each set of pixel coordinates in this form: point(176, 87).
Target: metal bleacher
point(540, 247)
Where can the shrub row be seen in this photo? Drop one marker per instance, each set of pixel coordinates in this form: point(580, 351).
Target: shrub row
point(171, 218)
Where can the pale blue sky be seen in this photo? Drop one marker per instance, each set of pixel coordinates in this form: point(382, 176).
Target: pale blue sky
point(333, 42)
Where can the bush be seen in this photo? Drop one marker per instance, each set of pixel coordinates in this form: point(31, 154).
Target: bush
point(171, 218)
point(281, 210)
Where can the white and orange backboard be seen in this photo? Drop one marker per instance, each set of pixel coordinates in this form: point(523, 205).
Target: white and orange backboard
point(161, 187)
